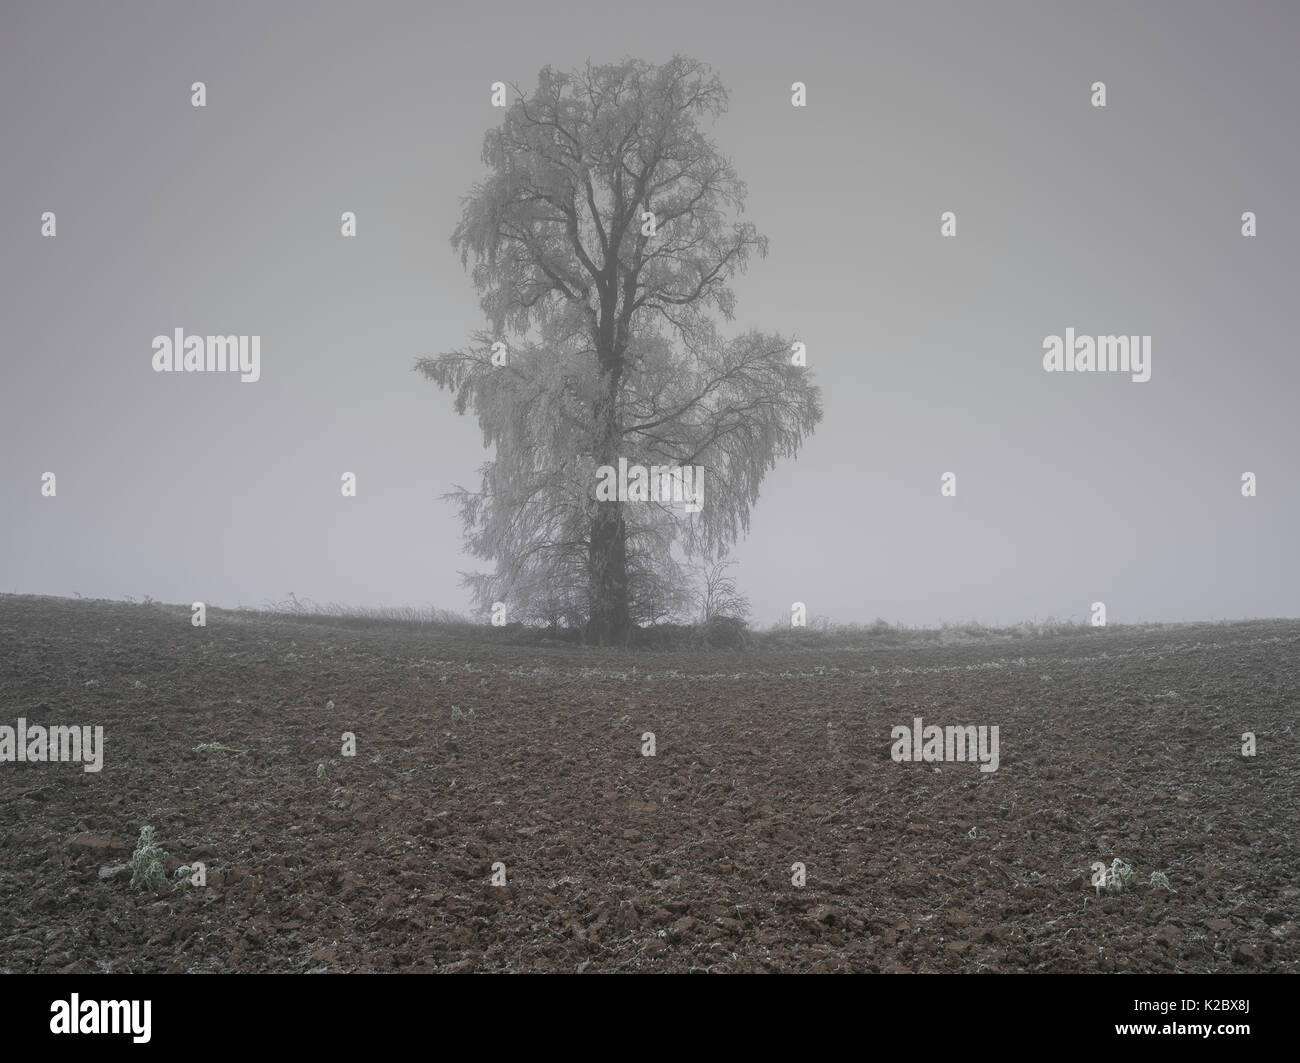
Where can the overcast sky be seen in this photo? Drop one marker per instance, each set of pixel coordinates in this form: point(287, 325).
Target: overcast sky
point(1071, 488)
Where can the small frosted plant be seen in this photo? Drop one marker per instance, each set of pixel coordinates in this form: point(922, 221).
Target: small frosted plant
point(1116, 878)
point(320, 770)
point(182, 876)
point(1159, 880)
point(148, 862)
point(217, 747)
point(1121, 874)
point(458, 714)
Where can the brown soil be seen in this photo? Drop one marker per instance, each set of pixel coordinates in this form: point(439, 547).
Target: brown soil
point(1114, 743)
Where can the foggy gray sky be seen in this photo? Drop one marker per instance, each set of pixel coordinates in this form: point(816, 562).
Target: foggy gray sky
point(1071, 488)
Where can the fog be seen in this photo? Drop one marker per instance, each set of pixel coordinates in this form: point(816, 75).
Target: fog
point(1071, 487)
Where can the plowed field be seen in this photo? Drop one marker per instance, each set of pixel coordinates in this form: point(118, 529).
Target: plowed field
point(1115, 743)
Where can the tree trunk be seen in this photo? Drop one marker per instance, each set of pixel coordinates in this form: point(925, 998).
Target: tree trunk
point(610, 621)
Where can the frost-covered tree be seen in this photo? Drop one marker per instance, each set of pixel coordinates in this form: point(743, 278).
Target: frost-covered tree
point(602, 246)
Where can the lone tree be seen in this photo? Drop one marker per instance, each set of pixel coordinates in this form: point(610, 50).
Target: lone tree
point(602, 245)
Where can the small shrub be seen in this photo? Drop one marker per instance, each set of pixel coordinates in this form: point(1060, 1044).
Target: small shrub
point(148, 862)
